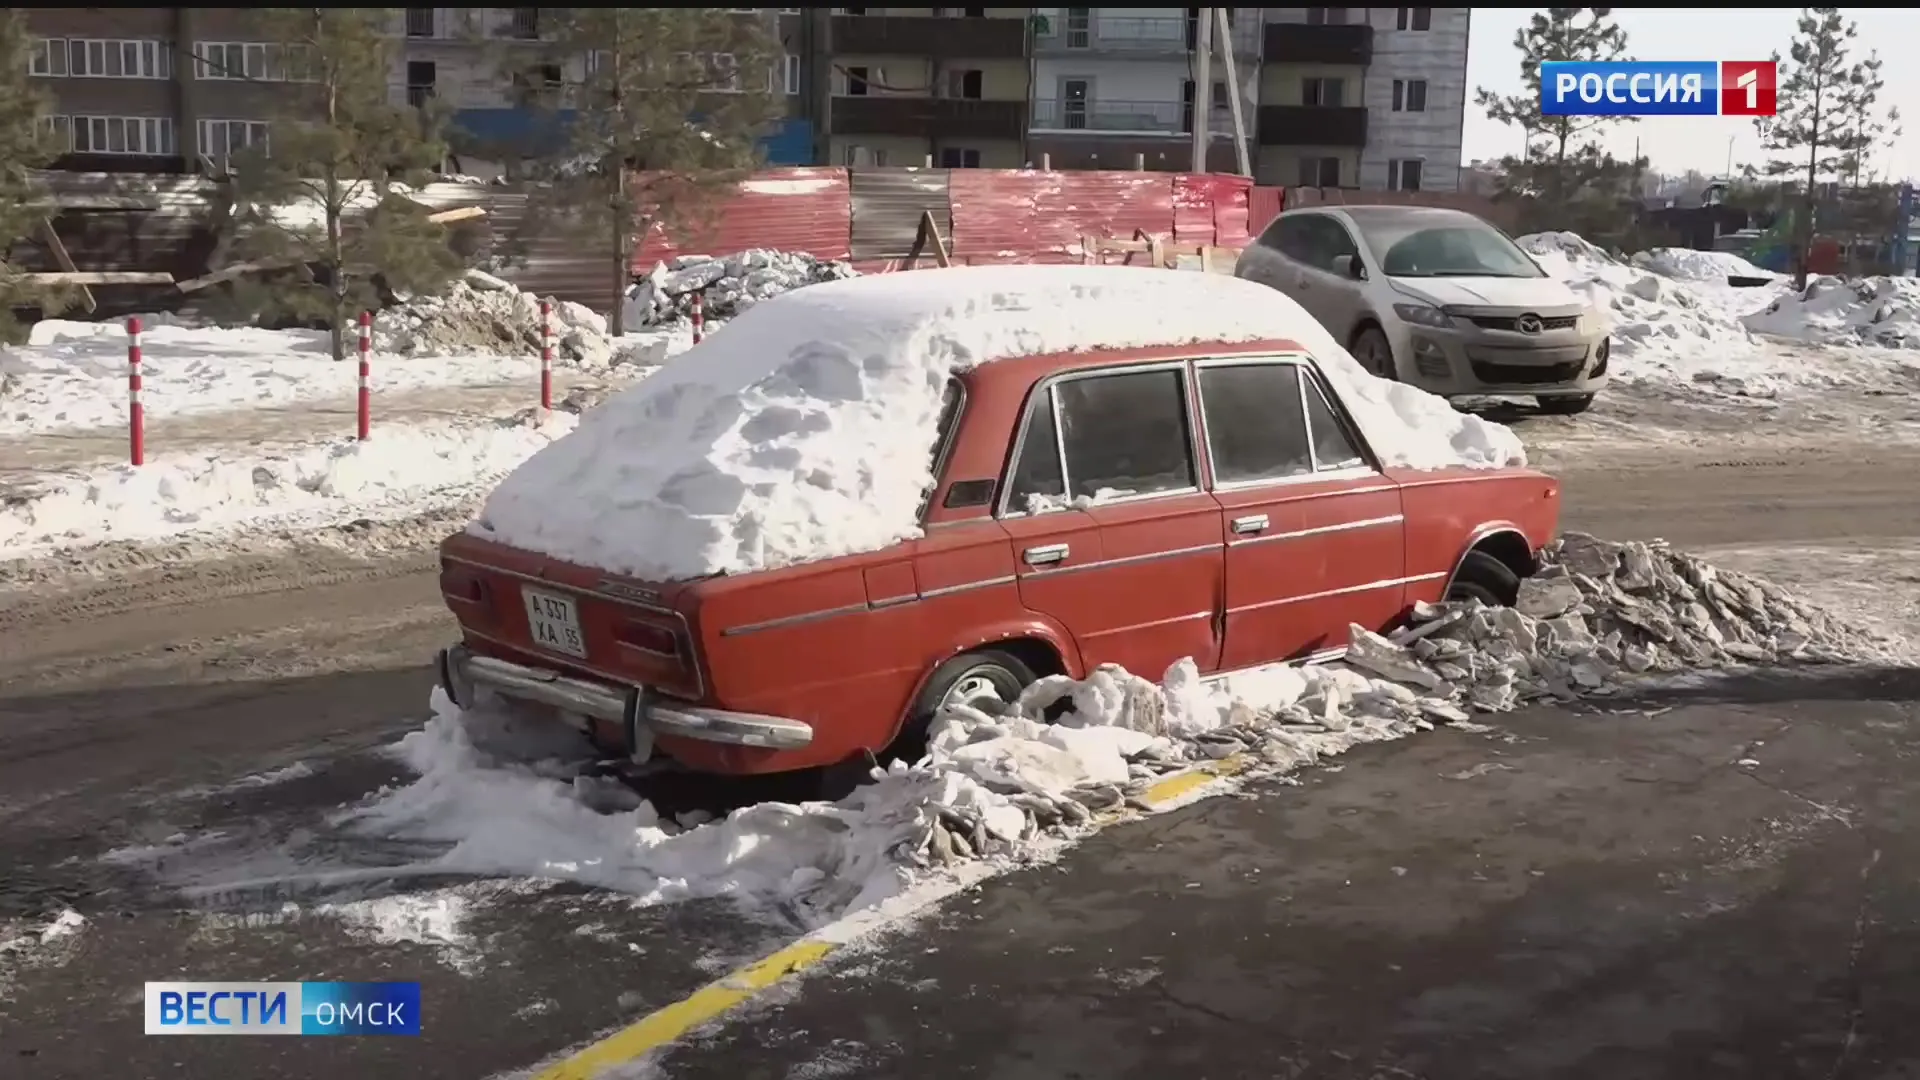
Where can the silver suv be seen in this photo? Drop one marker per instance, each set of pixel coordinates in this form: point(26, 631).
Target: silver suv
point(1436, 298)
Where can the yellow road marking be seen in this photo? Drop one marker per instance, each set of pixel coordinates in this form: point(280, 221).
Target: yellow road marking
point(669, 1023)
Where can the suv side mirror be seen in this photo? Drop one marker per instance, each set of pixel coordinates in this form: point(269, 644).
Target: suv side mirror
point(1350, 266)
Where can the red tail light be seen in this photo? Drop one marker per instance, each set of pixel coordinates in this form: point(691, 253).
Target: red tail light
point(649, 638)
point(462, 587)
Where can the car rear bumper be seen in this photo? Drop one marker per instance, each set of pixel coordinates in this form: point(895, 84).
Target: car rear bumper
point(464, 672)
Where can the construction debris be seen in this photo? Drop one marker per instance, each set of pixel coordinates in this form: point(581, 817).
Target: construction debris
point(726, 286)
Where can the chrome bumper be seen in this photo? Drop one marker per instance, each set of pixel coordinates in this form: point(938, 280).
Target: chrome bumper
point(463, 672)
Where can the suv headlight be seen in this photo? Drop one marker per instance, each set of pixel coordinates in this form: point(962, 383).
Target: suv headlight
point(1424, 315)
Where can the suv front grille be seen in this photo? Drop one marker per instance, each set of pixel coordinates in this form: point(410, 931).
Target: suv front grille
point(1507, 322)
point(1524, 374)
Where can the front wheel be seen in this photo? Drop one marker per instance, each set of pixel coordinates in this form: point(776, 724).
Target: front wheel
point(1486, 579)
point(1375, 353)
point(1564, 405)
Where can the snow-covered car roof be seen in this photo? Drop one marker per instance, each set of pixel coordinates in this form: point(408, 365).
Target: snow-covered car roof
point(803, 429)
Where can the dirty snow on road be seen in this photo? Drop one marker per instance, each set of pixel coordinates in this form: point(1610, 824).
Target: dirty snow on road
point(492, 797)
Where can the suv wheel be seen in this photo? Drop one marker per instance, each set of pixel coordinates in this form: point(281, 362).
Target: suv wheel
point(1375, 353)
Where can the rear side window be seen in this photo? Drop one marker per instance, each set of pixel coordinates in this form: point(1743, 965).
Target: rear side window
point(1270, 422)
point(1120, 435)
point(1256, 428)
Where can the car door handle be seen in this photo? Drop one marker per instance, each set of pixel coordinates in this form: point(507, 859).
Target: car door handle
point(1252, 523)
point(1044, 554)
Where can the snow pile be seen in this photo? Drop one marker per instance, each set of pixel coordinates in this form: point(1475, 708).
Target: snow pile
point(1666, 324)
point(483, 314)
point(1882, 311)
point(1686, 264)
point(399, 472)
point(1005, 787)
point(726, 286)
point(803, 430)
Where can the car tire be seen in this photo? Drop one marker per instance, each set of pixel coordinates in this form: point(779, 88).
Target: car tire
point(1375, 353)
point(1486, 579)
point(1565, 404)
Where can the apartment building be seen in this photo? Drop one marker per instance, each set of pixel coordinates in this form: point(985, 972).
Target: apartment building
point(913, 86)
point(1115, 86)
point(1370, 98)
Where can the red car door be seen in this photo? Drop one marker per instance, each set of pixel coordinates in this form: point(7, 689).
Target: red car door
point(1116, 539)
point(1315, 539)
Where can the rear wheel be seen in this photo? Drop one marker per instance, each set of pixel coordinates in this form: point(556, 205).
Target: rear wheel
point(1486, 579)
point(1565, 404)
point(987, 679)
point(1375, 353)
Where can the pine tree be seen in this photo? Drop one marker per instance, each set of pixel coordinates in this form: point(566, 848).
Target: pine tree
point(1566, 181)
point(1809, 135)
point(26, 143)
point(323, 186)
point(662, 114)
point(1858, 114)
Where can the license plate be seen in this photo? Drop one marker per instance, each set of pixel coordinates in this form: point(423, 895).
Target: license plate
point(553, 621)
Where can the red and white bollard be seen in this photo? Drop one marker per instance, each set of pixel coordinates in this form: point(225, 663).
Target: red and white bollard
point(699, 318)
point(136, 412)
point(546, 356)
point(365, 411)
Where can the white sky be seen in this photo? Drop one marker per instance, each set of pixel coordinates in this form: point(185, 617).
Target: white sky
point(1678, 143)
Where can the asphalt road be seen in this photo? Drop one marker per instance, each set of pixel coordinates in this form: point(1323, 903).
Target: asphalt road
point(122, 696)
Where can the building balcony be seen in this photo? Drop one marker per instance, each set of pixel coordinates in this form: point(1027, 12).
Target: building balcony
point(1055, 36)
point(1312, 125)
point(926, 35)
point(958, 118)
point(1308, 43)
point(1146, 118)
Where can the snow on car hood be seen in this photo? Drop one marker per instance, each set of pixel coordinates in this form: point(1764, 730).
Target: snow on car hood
point(804, 428)
point(1529, 293)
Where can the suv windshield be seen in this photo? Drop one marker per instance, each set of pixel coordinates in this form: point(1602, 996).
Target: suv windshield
point(1473, 249)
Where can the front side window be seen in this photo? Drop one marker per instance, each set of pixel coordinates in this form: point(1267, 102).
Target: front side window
point(1270, 422)
point(1102, 438)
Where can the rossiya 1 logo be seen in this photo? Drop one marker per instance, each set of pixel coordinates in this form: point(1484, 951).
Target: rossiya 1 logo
point(1659, 88)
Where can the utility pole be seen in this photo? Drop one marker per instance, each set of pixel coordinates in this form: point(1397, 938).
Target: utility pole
point(1202, 87)
point(1225, 29)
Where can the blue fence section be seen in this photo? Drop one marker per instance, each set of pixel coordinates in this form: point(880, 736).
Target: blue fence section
point(534, 132)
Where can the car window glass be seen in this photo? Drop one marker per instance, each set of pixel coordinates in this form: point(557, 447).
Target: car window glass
point(1037, 483)
point(1270, 236)
point(1255, 429)
point(1332, 447)
point(1126, 434)
point(1331, 240)
point(1296, 239)
point(943, 437)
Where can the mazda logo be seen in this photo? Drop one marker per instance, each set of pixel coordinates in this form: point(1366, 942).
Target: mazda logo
point(1529, 324)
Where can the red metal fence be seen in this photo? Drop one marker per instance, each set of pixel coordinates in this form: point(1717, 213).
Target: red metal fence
point(872, 216)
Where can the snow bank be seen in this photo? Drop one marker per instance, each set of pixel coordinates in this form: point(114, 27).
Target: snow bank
point(726, 286)
point(507, 800)
point(484, 314)
point(803, 430)
point(399, 472)
point(1686, 264)
point(1655, 317)
point(1883, 311)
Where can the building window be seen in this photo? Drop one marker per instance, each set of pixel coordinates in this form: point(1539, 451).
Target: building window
point(964, 83)
point(723, 73)
point(1404, 174)
point(864, 157)
point(1327, 93)
point(1215, 103)
point(1326, 16)
point(790, 74)
point(525, 23)
point(62, 132)
point(1320, 172)
point(253, 62)
point(958, 157)
point(1409, 95)
point(100, 58)
point(1417, 18)
point(123, 135)
point(222, 138)
point(1079, 27)
point(420, 22)
point(857, 81)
